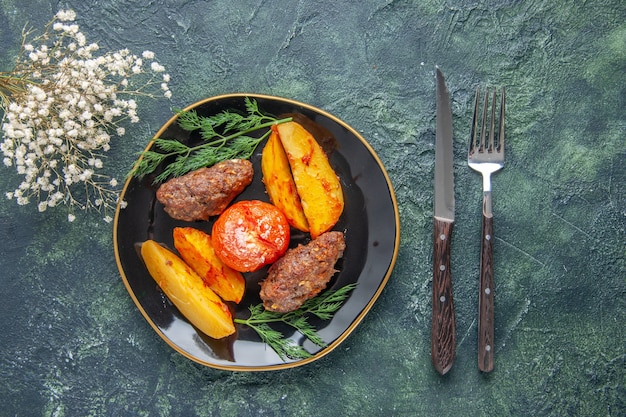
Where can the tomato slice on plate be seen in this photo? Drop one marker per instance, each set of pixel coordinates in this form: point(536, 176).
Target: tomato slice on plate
point(250, 234)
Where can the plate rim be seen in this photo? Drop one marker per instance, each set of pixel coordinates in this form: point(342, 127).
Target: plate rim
point(356, 321)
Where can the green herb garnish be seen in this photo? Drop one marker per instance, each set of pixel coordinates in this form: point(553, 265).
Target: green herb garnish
point(225, 137)
point(322, 306)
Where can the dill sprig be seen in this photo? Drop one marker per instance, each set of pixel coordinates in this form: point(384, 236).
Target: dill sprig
point(225, 136)
point(322, 306)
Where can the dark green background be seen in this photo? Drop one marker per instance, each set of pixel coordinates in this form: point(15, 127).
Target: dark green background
point(72, 343)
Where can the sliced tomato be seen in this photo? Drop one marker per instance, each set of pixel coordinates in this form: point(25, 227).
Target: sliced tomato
point(250, 234)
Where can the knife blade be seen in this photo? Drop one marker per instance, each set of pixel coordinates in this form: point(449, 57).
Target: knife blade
point(443, 337)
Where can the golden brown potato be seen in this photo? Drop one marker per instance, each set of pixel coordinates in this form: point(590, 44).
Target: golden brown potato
point(322, 135)
point(279, 182)
point(197, 302)
point(316, 181)
point(196, 249)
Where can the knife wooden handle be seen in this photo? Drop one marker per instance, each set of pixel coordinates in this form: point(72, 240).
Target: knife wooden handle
point(485, 298)
point(443, 338)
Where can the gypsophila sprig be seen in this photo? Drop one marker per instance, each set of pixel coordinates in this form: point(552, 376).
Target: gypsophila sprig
point(323, 306)
point(62, 103)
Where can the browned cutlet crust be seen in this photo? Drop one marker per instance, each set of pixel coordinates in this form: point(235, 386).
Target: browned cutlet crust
point(205, 192)
point(302, 273)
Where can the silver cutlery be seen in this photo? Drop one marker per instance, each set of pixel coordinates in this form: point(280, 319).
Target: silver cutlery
point(486, 155)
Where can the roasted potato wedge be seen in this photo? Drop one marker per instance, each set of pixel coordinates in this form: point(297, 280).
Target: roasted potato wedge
point(197, 302)
point(279, 182)
point(196, 249)
point(317, 183)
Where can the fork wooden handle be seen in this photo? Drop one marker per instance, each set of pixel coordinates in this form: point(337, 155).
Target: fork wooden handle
point(485, 299)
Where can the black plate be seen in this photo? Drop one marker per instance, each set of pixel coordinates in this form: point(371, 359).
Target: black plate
point(370, 221)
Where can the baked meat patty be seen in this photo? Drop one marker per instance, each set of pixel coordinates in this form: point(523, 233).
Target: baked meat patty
point(205, 192)
point(302, 273)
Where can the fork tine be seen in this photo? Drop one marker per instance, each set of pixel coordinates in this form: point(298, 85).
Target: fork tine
point(483, 130)
point(500, 147)
point(491, 145)
point(474, 128)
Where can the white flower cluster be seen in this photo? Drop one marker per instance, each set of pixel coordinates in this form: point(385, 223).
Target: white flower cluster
point(61, 104)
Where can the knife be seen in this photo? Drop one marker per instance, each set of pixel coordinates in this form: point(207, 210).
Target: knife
point(443, 338)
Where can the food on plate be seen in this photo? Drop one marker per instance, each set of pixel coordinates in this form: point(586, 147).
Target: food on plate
point(225, 135)
point(322, 135)
point(250, 234)
point(279, 183)
point(302, 273)
point(196, 249)
point(205, 192)
point(197, 302)
point(316, 182)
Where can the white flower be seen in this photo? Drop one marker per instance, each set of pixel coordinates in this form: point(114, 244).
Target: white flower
point(65, 114)
point(156, 67)
point(57, 129)
point(66, 15)
point(85, 175)
point(71, 217)
point(80, 38)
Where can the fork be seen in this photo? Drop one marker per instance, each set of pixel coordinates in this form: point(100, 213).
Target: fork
point(486, 155)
